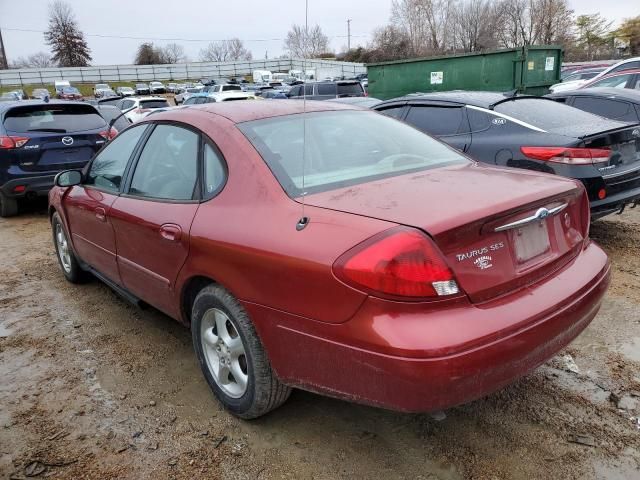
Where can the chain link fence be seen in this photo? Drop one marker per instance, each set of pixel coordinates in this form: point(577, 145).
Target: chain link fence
point(183, 71)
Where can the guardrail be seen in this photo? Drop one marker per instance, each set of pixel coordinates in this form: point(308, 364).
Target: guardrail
point(182, 71)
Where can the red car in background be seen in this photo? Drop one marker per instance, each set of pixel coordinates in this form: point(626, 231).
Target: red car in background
point(333, 249)
point(69, 93)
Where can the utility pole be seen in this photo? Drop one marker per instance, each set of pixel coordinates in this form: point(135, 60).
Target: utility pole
point(348, 35)
point(4, 63)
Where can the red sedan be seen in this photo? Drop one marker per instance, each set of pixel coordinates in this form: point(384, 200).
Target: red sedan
point(338, 251)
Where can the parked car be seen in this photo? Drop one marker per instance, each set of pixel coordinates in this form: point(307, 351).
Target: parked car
point(364, 102)
point(137, 108)
point(404, 306)
point(38, 140)
point(40, 93)
point(613, 103)
point(171, 87)
point(142, 89)
point(625, 79)
point(327, 90)
point(181, 97)
point(198, 99)
point(125, 91)
point(10, 97)
point(271, 94)
point(156, 87)
point(533, 133)
point(576, 79)
point(58, 85)
point(628, 64)
point(69, 93)
point(100, 89)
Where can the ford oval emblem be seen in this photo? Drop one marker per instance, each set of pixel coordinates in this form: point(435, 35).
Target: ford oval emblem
point(67, 141)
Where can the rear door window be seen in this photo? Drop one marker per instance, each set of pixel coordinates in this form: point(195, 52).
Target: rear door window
point(350, 89)
point(295, 91)
point(53, 118)
point(168, 165)
point(107, 168)
point(326, 89)
point(393, 112)
point(604, 107)
point(439, 121)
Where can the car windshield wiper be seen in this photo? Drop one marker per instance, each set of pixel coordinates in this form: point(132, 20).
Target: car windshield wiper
point(49, 130)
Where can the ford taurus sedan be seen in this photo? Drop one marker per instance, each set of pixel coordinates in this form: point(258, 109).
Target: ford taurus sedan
point(335, 250)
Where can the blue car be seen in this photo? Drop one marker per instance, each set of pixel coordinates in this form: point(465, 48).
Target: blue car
point(39, 139)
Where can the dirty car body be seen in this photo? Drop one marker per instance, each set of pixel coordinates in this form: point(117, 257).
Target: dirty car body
point(417, 279)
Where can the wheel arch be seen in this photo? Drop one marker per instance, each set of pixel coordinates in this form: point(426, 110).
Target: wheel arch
point(190, 290)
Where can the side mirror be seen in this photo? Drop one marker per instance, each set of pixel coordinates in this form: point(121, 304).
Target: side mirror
point(68, 178)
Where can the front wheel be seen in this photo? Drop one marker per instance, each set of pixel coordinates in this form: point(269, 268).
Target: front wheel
point(8, 206)
point(232, 357)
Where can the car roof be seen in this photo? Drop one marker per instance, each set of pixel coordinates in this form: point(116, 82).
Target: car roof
point(619, 72)
point(460, 97)
point(248, 110)
point(608, 92)
point(4, 106)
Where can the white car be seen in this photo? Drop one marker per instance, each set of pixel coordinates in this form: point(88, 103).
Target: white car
point(157, 87)
point(184, 94)
point(138, 108)
point(628, 64)
point(225, 93)
point(576, 80)
point(100, 89)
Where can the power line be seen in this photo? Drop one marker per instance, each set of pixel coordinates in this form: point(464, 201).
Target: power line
point(125, 37)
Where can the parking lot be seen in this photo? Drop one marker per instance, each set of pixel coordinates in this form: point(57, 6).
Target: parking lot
point(95, 388)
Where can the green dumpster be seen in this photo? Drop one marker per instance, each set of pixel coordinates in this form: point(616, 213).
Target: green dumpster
point(530, 70)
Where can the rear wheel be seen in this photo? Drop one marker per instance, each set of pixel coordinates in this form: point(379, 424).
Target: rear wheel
point(66, 258)
point(232, 357)
point(8, 206)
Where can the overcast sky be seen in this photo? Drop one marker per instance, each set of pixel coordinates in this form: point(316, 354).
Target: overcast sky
point(261, 24)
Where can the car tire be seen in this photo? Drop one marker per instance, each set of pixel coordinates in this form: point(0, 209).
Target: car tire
point(8, 206)
point(67, 259)
point(226, 343)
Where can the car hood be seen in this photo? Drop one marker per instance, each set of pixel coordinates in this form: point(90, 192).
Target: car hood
point(445, 198)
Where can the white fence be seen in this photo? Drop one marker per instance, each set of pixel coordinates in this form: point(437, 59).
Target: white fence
point(182, 71)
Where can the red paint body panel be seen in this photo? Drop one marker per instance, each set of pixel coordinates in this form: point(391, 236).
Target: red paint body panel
point(412, 356)
point(406, 357)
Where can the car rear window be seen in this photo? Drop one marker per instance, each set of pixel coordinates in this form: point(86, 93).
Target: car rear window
point(342, 148)
point(227, 88)
point(154, 104)
point(350, 89)
point(544, 114)
point(53, 118)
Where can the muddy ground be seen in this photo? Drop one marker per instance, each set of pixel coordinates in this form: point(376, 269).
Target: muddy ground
point(91, 387)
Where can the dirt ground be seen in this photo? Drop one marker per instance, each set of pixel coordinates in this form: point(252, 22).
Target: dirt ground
point(91, 387)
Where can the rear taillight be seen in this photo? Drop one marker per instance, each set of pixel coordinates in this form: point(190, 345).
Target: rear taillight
point(570, 156)
point(109, 134)
point(401, 263)
point(12, 142)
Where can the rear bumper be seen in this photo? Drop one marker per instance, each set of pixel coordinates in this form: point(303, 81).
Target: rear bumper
point(38, 185)
point(612, 204)
point(417, 358)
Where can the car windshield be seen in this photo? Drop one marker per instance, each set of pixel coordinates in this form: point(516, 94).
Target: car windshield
point(102, 85)
point(70, 90)
point(227, 88)
point(153, 104)
point(342, 148)
point(56, 118)
point(545, 114)
point(617, 81)
point(350, 89)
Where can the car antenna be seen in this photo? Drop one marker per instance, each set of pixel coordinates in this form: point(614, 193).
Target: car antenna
point(304, 220)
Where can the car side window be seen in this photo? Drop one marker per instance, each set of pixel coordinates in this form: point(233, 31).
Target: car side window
point(438, 120)
point(168, 165)
point(127, 104)
point(326, 89)
point(295, 91)
point(604, 107)
point(626, 66)
point(478, 121)
point(214, 171)
point(394, 112)
point(308, 90)
point(619, 81)
point(107, 169)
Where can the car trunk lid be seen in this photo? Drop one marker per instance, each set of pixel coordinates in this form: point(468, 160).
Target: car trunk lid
point(499, 229)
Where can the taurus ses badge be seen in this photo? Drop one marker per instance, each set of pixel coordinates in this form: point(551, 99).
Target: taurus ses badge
point(67, 141)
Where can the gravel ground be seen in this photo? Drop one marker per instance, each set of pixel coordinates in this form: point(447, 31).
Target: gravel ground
point(91, 387)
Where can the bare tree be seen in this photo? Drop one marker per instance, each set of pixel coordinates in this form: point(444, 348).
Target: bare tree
point(37, 60)
point(426, 22)
point(225, 51)
point(173, 53)
point(67, 42)
point(304, 42)
point(475, 22)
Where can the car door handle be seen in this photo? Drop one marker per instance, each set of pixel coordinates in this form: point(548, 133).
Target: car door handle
point(101, 214)
point(171, 232)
